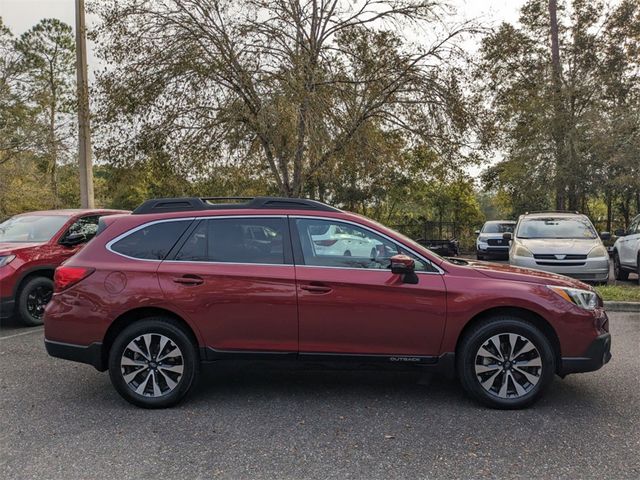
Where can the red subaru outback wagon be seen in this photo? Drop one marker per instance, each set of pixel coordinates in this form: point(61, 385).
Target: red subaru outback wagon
point(32, 245)
point(187, 281)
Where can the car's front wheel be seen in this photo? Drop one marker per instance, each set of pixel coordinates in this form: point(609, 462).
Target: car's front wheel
point(153, 363)
point(618, 271)
point(32, 300)
point(505, 362)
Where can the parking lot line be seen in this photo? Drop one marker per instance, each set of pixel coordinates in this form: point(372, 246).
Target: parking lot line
point(22, 333)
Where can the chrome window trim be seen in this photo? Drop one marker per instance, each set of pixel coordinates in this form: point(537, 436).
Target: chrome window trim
point(439, 271)
point(203, 262)
point(108, 246)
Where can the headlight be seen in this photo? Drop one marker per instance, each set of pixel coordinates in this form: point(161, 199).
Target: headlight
point(6, 259)
point(599, 251)
point(522, 251)
point(585, 299)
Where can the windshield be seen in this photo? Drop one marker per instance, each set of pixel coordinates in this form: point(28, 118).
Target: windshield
point(498, 227)
point(564, 227)
point(31, 228)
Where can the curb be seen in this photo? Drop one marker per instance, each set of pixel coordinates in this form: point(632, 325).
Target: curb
point(622, 306)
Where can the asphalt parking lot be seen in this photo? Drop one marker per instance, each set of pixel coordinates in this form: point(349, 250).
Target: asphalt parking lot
point(60, 420)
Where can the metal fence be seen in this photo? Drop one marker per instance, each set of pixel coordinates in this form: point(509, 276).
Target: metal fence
point(429, 230)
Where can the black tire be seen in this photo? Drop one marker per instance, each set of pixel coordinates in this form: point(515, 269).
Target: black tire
point(479, 257)
point(156, 326)
point(618, 271)
point(33, 297)
point(478, 336)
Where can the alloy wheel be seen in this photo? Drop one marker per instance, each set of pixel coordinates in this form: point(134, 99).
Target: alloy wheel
point(152, 365)
point(508, 365)
point(37, 300)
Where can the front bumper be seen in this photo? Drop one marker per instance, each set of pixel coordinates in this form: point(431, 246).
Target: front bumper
point(7, 306)
point(591, 270)
point(89, 354)
point(598, 353)
point(493, 252)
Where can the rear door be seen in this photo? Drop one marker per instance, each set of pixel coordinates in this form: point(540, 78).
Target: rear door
point(634, 244)
point(234, 277)
point(353, 304)
point(629, 244)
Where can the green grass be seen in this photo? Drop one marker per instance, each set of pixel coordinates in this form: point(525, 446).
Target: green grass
point(620, 293)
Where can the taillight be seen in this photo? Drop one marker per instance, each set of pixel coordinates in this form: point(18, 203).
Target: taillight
point(68, 276)
point(325, 243)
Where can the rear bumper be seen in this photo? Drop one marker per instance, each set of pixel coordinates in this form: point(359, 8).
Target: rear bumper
point(89, 354)
point(7, 306)
point(598, 353)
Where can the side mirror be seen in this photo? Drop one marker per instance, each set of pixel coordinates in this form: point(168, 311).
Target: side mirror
point(477, 232)
point(507, 236)
point(605, 235)
point(73, 239)
point(402, 264)
point(620, 232)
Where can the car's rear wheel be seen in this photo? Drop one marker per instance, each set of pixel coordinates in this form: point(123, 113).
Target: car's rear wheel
point(153, 363)
point(505, 362)
point(33, 298)
point(618, 271)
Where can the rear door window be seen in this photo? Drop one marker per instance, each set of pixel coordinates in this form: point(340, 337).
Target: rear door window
point(151, 242)
point(236, 240)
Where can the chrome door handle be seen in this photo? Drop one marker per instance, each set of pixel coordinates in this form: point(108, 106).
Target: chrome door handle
point(316, 288)
point(188, 280)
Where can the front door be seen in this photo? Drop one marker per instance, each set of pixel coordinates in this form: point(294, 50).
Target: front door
point(87, 226)
point(349, 302)
point(234, 278)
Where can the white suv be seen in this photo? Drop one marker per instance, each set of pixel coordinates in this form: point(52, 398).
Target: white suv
point(626, 252)
point(343, 241)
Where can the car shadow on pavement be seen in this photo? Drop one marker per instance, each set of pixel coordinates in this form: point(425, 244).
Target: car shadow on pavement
point(257, 382)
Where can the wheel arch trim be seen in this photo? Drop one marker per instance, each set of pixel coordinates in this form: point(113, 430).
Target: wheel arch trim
point(139, 313)
point(523, 313)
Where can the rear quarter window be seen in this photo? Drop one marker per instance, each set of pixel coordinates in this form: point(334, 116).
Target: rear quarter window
point(151, 242)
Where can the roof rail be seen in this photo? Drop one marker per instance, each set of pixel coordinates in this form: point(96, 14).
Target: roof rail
point(553, 211)
point(185, 204)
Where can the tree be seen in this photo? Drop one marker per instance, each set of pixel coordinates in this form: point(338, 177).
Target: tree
point(563, 94)
point(293, 85)
point(47, 63)
point(16, 118)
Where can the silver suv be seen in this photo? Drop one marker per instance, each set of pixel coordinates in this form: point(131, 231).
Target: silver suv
point(559, 242)
point(626, 251)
